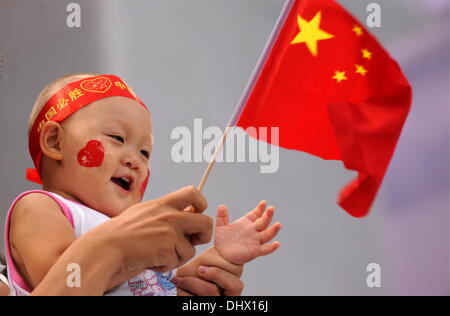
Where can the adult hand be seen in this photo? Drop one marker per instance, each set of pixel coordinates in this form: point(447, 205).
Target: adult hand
point(154, 234)
point(157, 234)
point(209, 275)
point(211, 281)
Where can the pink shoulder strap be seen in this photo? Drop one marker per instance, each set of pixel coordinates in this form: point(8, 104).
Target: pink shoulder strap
point(14, 275)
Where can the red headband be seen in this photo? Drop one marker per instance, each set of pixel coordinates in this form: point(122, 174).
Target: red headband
point(69, 100)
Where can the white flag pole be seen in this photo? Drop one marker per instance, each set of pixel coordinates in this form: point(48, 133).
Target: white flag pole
point(250, 85)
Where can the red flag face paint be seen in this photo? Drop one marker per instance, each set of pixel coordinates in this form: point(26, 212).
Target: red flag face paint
point(144, 184)
point(92, 154)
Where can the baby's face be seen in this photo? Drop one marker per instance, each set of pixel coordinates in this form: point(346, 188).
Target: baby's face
point(106, 147)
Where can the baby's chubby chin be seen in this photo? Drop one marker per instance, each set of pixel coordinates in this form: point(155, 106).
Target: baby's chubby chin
point(113, 207)
point(106, 201)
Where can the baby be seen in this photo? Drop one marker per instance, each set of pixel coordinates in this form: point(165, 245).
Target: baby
point(90, 138)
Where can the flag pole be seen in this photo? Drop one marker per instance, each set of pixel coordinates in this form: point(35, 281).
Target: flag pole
point(249, 88)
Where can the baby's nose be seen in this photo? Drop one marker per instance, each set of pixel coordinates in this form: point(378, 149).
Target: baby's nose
point(132, 162)
point(132, 165)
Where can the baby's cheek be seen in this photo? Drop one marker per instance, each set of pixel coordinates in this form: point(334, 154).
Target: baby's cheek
point(92, 155)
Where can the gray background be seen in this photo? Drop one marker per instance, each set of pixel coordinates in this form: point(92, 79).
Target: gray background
point(191, 59)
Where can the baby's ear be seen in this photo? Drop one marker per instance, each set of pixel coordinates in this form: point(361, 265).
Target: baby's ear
point(50, 140)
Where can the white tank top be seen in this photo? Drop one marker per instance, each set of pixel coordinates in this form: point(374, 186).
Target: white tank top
point(84, 219)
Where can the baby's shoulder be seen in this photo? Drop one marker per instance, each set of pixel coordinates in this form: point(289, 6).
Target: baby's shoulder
point(35, 204)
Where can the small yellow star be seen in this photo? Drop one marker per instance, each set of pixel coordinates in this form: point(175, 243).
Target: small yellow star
point(340, 76)
point(310, 33)
point(366, 53)
point(361, 70)
point(358, 30)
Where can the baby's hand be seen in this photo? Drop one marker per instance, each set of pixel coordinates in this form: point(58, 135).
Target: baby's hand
point(248, 237)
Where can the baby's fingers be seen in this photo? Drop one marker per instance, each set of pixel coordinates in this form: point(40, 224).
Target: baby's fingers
point(267, 249)
point(257, 211)
point(270, 233)
point(222, 216)
point(264, 221)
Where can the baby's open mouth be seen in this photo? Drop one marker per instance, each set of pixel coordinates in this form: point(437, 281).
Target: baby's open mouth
point(122, 182)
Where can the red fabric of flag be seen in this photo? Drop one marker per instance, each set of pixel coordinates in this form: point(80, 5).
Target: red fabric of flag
point(334, 92)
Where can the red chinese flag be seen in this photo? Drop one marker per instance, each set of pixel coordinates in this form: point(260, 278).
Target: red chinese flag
point(334, 92)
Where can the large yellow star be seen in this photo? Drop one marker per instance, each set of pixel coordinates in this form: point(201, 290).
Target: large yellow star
point(310, 33)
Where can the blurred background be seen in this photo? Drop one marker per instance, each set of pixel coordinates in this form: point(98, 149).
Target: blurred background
point(191, 59)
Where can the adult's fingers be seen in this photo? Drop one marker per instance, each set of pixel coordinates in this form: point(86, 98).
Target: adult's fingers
point(196, 286)
point(229, 283)
point(184, 249)
point(185, 197)
point(181, 292)
point(201, 226)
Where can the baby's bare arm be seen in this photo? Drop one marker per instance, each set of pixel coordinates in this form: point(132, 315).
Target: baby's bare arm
point(39, 235)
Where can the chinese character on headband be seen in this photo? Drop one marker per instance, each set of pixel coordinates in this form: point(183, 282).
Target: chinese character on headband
point(75, 94)
point(121, 85)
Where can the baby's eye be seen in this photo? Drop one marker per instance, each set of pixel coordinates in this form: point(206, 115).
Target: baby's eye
point(145, 153)
point(118, 138)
